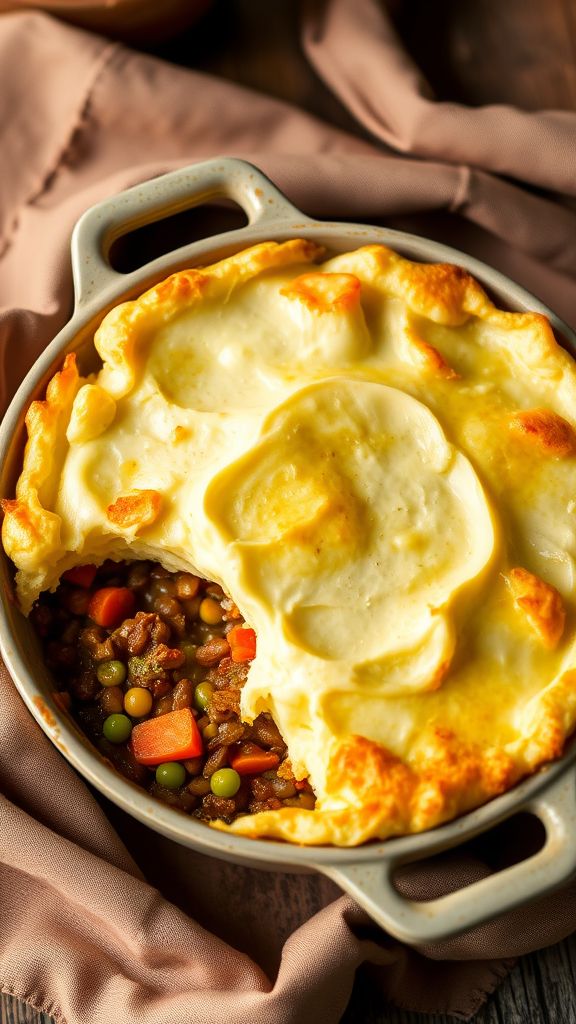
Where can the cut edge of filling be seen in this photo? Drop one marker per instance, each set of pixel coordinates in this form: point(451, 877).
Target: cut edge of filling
point(151, 664)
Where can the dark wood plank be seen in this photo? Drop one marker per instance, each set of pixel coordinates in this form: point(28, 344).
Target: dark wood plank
point(257, 44)
point(520, 52)
point(540, 990)
point(13, 1011)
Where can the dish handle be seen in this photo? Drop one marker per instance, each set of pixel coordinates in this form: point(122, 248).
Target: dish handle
point(371, 883)
point(162, 197)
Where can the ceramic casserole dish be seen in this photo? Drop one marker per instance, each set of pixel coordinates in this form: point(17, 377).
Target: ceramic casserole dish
point(366, 872)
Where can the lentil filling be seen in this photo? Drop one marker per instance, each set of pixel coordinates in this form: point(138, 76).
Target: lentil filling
point(130, 644)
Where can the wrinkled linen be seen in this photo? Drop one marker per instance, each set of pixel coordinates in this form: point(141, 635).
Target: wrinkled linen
point(102, 919)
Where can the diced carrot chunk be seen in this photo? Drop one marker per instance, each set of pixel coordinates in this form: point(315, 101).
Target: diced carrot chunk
point(250, 759)
point(242, 642)
point(171, 737)
point(110, 605)
point(80, 575)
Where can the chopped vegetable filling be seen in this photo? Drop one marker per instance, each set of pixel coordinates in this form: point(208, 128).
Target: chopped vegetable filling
point(152, 665)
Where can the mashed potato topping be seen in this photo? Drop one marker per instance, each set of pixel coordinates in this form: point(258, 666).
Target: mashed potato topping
point(379, 467)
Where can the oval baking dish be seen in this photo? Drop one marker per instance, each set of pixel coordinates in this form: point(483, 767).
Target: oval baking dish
point(366, 872)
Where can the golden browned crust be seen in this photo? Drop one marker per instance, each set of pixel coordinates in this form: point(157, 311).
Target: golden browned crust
point(445, 294)
point(425, 792)
point(546, 431)
point(541, 605)
point(441, 292)
point(441, 775)
point(448, 777)
point(428, 356)
point(92, 413)
point(449, 295)
point(120, 334)
point(391, 796)
point(323, 293)
point(30, 530)
point(136, 510)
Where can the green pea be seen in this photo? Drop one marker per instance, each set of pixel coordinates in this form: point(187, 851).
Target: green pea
point(225, 782)
point(111, 673)
point(189, 651)
point(202, 695)
point(117, 728)
point(172, 775)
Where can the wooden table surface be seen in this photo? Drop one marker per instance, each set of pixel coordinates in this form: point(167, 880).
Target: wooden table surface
point(485, 51)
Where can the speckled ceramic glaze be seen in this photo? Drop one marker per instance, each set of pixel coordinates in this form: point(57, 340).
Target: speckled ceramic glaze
point(366, 872)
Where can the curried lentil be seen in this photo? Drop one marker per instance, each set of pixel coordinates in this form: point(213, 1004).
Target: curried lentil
point(167, 652)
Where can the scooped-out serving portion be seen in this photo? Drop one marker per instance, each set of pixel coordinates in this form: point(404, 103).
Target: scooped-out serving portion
point(372, 471)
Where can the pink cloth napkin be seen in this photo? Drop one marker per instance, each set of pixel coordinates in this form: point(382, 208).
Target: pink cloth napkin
point(98, 928)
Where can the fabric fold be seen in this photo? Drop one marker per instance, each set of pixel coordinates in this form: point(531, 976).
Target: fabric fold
point(357, 52)
point(37, 140)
